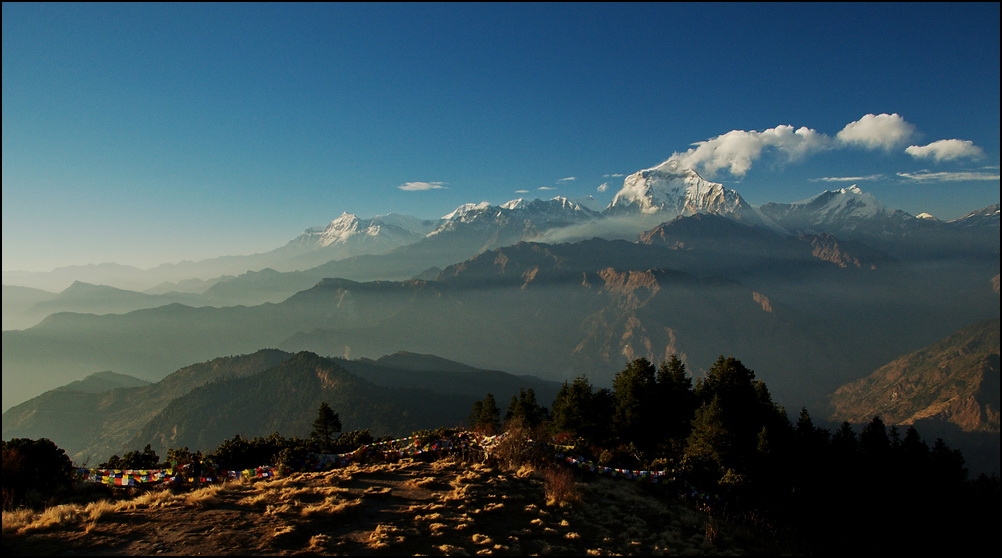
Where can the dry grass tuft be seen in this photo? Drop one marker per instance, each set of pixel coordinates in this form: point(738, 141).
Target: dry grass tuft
point(481, 540)
point(560, 486)
point(385, 535)
point(284, 535)
point(424, 482)
point(149, 499)
point(203, 498)
point(15, 520)
point(24, 521)
point(96, 510)
point(321, 544)
point(378, 491)
point(259, 499)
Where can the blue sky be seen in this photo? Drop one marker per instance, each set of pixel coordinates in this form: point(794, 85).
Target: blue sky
point(144, 134)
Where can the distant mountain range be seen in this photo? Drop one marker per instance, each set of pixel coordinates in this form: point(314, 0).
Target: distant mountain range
point(201, 405)
point(646, 199)
point(810, 294)
point(804, 311)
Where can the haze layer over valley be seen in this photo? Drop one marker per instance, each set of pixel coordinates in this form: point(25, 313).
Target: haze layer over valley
point(810, 294)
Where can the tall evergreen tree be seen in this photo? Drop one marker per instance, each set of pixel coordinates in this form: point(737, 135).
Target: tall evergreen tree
point(873, 439)
point(581, 411)
point(709, 448)
point(913, 447)
point(635, 404)
point(745, 403)
point(326, 426)
point(675, 403)
point(486, 415)
point(947, 464)
point(524, 410)
point(844, 440)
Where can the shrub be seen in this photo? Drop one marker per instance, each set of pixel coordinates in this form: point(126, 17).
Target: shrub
point(521, 446)
point(35, 473)
point(560, 486)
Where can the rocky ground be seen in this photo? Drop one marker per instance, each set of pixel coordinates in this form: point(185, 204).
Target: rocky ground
point(408, 507)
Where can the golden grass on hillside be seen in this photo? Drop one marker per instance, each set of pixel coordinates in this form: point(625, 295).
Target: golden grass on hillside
point(412, 507)
point(25, 520)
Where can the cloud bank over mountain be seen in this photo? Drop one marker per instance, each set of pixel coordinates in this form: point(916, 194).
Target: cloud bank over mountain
point(737, 150)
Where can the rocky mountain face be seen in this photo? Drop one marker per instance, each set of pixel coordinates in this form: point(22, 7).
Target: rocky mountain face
point(955, 380)
point(671, 190)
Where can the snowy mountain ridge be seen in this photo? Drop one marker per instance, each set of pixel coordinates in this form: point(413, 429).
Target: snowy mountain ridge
point(646, 199)
point(654, 195)
point(675, 191)
point(348, 227)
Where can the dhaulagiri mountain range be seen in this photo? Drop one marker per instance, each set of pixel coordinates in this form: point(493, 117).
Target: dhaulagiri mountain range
point(814, 296)
point(947, 389)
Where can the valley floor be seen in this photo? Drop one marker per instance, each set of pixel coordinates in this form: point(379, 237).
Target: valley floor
point(408, 507)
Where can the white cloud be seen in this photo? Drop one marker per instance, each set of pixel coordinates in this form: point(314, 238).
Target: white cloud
point(521, 191)
point(614, 175)
point(547, 188)
point(737, 149)
point(847, 178)
point(877, 131)
point(603, 187)
point(568, 179)
point(946, 150)
point(948, 176)
point(421, 186)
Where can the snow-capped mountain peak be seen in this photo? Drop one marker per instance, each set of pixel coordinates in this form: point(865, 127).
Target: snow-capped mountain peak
point(349, 229)
point(556, 204)
point(675, 190)
point(843, 203)
point(513, 204)
point(462, 210)
point(982, 218)
point(836, 211)
point(344, 227)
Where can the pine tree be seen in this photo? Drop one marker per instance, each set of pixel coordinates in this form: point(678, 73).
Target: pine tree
point(710, 446)
point(844, 440)
point(675, 402)
point(325, 426)
point(486, 415)
point(746, 405)
point(873, 439)
point(581, 411)
point(524, 410)
point(635, 400)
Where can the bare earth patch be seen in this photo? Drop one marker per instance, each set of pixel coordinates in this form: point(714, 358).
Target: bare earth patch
point(410, 507)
